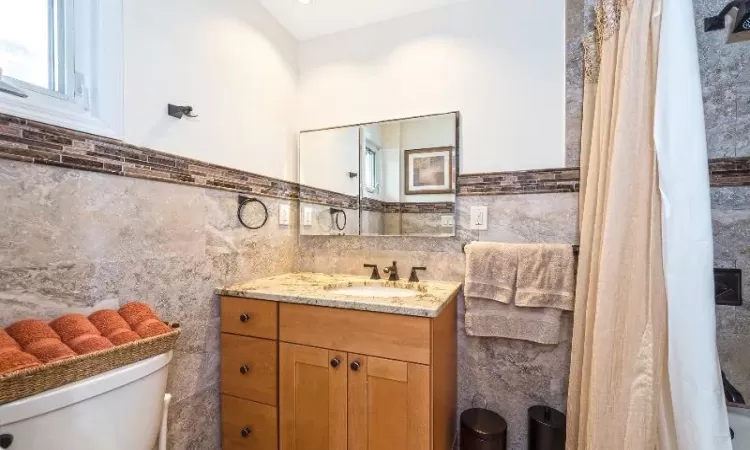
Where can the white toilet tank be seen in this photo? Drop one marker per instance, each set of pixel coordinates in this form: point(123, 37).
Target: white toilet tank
point(117, 410)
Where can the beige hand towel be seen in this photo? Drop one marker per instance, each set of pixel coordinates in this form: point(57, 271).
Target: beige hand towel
point(546, 276)
point(491, 269)
point(489, 318)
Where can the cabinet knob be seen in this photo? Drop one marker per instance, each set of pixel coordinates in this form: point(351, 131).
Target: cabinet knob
point(244, 318)
point(244, 370)
point(355, 366)
point(246, 432)
point(335, 362)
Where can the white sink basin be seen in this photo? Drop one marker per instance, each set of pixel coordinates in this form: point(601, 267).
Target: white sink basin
point(739, 421)
point(374, 291)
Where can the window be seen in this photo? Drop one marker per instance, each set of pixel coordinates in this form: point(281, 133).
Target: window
point(34, 50)
point(61, 62)
point(371, 169)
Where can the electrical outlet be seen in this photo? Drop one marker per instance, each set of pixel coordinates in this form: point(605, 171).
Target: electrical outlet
point(447, 221)
point(307, 217)
point(478, 218)
point(283, 214)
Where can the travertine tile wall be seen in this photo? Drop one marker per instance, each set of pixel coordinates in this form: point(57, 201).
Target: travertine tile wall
point(725, 73)
point(731, 221)
point(71, 240)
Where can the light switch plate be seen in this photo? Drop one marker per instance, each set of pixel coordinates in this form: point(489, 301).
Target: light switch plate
point(283, 214)
point(307, 217)
point(478, 218)
point(447, 221)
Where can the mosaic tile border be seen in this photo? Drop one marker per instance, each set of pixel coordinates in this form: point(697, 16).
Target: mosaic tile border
point(520, 182)
point(317, 196)
point(369, 204)
point(34, 142)
point(728, 172)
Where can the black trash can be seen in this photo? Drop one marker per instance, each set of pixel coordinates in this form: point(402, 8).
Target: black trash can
point(546, 428)
point(482, 429)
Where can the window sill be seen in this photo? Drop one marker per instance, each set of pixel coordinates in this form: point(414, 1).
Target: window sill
point(56, 112)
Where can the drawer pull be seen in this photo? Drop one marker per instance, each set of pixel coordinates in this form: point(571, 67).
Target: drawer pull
point(335, 362)
point(244, 370)
point(244, 318)
point(246, 432)
point(355, 366)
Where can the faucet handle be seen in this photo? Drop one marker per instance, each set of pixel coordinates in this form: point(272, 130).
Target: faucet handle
point(375, 274)
point(413, 277)
point(392, 271)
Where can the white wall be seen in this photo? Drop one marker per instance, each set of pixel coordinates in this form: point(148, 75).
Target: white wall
point(327, 156)
point(232, 62)
point(501, 63)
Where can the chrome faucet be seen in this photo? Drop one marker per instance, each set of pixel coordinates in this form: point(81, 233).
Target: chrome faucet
point(392, 272)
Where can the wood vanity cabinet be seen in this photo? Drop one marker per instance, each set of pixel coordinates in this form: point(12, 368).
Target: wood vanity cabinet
point(318, 378)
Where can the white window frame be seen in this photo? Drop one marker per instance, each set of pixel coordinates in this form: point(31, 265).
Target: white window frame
point(371, 148)
point(92, 97)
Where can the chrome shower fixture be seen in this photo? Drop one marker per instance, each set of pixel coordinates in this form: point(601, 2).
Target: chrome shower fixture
point(735, 17)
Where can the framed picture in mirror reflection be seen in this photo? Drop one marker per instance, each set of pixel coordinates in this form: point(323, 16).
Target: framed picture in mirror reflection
point(428, 171)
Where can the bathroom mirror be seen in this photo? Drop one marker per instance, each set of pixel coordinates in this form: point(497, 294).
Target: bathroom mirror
point(391, 178)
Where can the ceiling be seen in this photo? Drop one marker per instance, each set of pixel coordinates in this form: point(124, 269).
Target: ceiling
point(322, 17)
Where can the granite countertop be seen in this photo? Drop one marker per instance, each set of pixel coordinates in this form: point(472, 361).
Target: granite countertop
point(430, 297)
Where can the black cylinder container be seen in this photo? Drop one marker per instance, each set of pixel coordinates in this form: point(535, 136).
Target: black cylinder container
point(482, 429)
point(546, 428)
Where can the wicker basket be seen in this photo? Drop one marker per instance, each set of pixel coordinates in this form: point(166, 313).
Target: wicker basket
point(28, 382)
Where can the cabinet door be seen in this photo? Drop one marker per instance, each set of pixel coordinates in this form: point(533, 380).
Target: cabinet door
point(312, 398)
point(389, 404)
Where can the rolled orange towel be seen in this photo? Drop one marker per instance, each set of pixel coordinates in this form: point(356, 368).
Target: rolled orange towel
point(121, 336)
point(108, 321)
point(7, 342)
point(136, 313)
point(89, 343)
point(152, 327)
point(113, 327)
point(15, 360)
point(49, 350)
point(73, 326)
point(30, 330)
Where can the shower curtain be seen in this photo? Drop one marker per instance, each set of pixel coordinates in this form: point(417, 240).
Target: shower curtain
point(644, 365)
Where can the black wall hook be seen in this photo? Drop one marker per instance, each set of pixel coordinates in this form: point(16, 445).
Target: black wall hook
point(179, 111)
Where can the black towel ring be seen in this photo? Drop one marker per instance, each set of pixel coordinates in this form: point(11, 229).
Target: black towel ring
point(335, 214)
point(244, 201)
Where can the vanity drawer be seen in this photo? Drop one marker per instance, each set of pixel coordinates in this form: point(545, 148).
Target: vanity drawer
point(404, 338)
point(249, 317)
point(248, 368)
point(247, 425)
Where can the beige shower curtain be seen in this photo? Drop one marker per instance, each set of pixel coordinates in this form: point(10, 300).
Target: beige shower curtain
point(619, 359)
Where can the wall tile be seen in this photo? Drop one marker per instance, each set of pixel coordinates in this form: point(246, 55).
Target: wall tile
point(195, 422)
point(74, 241)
